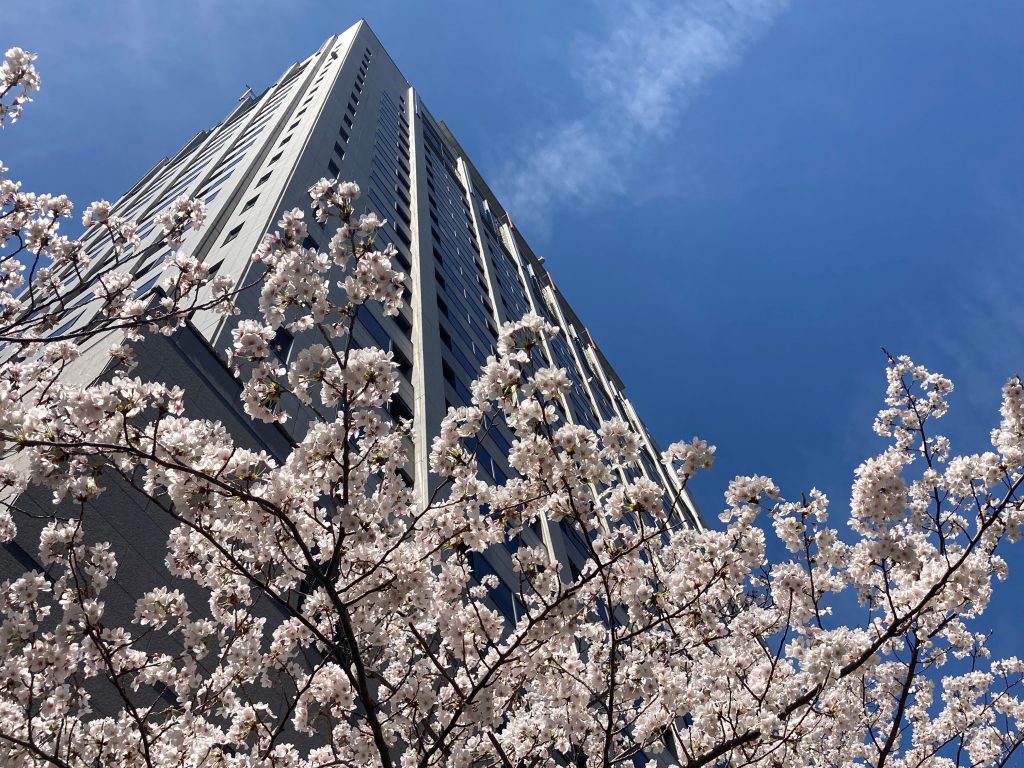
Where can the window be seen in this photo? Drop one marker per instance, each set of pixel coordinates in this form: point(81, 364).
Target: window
point(275, 158)
point(148, 266)
point(333, 169)
point(348, 123)
point(263, 179)
point(60, 331)
point(250, 203)
point(344, 135)
point(281, 344)
point(339, 150)
point(139, 291)
point(293, 125)
point(285, 140)
point(404, 261)
point(404, 366)
point(398, 409)
point(442, 307)
point(232, 234)
point(309, 242)
point(403, 325)
point(403, 235)
point(351, 109)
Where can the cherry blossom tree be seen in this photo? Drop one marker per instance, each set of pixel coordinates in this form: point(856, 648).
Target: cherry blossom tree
point(318, 613)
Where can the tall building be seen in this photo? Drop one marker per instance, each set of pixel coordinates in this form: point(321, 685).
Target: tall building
point(346, 111)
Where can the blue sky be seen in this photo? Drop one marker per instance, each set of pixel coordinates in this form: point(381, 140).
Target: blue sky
point(745, 201)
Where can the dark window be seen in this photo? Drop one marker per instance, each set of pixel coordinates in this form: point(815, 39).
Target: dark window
point(285, 140)
point(398, 409)
point(309, 242)
point(232, 234)
point(263, 179)
point(403, 325)
point(404, 261)
point(344, 135)
point(348, 123)
point(351, 109)
point(274, 159)
point(402, 234)
point(338, 148)
point(250, 204)
point(442, 307)
point(333, 169)
point(404, 366)
point(141, 290)
point(282, 343)
point(293, 125)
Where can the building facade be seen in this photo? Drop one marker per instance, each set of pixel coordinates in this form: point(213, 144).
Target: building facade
point(347, 112)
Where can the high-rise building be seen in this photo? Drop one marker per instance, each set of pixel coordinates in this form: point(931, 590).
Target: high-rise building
point(347, 112)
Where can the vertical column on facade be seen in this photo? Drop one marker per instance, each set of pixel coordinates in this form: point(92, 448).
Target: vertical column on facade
point(550, 296)
point(554, 542)
point(489, 270)
point(428, 378)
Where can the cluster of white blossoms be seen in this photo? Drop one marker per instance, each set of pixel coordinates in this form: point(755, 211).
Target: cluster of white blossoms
point(18, 78)
point(320, 612)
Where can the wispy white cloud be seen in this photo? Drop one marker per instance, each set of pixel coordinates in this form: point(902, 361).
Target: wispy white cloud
point(638, 78)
